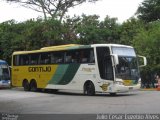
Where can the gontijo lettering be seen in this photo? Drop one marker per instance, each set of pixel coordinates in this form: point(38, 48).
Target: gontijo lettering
point(39, 69)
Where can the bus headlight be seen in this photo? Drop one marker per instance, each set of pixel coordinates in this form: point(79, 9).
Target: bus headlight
point(119, 83)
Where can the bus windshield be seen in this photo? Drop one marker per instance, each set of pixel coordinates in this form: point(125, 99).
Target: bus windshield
point(4, 72)
point(127, 69)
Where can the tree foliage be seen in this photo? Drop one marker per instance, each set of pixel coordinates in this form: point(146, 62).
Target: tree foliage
point(28, 35)
point(34, 34)
point(91, 30)
point(31, 35)
point(149, 10)
point(129, 30)
point(147, 43)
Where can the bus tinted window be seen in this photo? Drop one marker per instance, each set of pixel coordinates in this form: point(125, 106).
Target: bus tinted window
point(87, 56)
point(45, 58)
point(72, 56)
point(34, 59)
point(57, 57)
point(16, 60)
point(24, 60)
point(104, 63)
point(80, 56)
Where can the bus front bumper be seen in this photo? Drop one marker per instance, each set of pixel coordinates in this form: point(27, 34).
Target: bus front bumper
point(122, 88)
point(4, 84)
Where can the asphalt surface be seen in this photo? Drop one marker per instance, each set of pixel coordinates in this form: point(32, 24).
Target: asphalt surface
point(17, 101)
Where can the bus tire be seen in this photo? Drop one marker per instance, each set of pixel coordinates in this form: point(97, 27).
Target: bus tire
point(26, 85)
point(33, 86)
point(89, 88)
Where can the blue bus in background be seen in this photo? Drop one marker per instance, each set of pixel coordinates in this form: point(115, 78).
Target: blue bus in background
point(4, 75)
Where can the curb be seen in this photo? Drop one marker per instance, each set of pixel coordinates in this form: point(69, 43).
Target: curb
point(149, 89)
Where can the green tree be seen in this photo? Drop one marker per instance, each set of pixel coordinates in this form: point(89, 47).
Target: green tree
point(147, 43)
point(129, 30)
point(109, 30)
point(90, 30)
point(70, 26)
point(11, 38)
point(43, 33)
point(149, 10)
point(29, 35)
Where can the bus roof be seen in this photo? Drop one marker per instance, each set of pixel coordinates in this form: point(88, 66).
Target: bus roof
point(67, 47)
point(3, 62)
point(60, 46)
point(55, 48)
point(116, 45)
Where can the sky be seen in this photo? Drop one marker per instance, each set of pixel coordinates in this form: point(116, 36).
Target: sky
point(121, 9)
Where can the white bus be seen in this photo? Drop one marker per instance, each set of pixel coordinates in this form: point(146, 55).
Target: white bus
point(106, 68)
point(4, 74)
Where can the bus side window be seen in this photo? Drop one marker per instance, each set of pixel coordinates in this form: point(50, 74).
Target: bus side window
point(92, 58)
point(82, 59)
point(45, 58)
point(16, 60)
point(68, 59)
point(72, 56)
point(87, 56)
point(23, 59)
point(57, 57)
point(34, 59)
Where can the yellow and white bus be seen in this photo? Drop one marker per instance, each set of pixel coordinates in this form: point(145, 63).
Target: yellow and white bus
point(107, 68)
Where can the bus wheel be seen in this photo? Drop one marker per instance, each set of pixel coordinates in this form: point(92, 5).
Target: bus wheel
point(26, 85)
point(33, 85)
point(89, 88)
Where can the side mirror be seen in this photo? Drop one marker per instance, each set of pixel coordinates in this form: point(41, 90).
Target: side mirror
point(144, 61)
point(115, 59)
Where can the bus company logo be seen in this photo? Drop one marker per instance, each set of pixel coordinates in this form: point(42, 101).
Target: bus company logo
point(105, 87)
point(127, 82)
point(39, 69)
point(88, 69)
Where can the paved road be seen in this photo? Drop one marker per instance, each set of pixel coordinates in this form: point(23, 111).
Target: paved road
point(20, 102)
